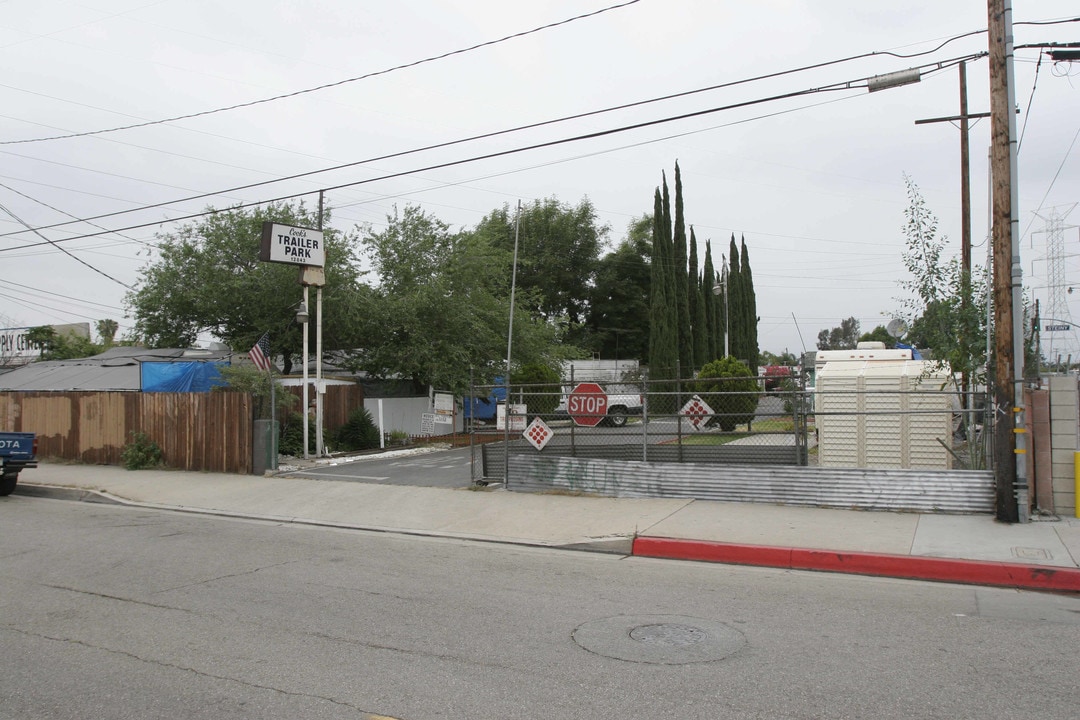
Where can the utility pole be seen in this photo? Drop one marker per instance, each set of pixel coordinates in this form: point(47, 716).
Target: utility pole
point(1010, 467)
point(965, 222)
point(965, 183)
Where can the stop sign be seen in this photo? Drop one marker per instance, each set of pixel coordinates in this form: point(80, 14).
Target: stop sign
point(587, 404)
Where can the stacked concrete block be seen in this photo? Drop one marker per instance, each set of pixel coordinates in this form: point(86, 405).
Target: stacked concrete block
point(1064, 427)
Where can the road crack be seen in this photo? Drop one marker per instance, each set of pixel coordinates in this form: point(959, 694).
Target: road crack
point(194, 671)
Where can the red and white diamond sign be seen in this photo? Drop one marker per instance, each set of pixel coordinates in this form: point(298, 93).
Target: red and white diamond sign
point(697, 411)
point(538, 433)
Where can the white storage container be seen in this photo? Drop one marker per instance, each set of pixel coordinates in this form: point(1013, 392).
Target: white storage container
point(885, 424)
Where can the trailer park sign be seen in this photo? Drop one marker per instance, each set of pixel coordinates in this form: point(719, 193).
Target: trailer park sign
point(292, 245)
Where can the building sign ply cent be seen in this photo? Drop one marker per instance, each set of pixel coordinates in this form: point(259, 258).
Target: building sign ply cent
point(292, 245)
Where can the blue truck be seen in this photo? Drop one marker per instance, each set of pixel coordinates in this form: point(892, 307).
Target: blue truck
point(18, 450)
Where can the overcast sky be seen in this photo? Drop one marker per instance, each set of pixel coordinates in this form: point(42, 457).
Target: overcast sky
point(815, 183)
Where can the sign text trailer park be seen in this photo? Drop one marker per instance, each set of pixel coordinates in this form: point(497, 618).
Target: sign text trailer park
point(292, 245)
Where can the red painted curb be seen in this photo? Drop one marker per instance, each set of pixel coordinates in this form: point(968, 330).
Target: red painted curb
point(974, 572)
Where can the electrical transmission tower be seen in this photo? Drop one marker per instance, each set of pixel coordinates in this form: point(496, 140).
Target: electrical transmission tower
point(1059, 342)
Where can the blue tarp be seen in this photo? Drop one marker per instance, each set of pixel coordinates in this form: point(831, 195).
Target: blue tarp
point(914, 350)
point(186, 376)
point(485, 408)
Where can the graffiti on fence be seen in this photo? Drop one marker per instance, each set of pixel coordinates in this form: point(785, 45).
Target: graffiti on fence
point(599, 477)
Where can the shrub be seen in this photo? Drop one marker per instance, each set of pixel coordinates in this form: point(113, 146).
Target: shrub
point(731, 390)
point(141, 452)
point(358, 433)
point(291, 441)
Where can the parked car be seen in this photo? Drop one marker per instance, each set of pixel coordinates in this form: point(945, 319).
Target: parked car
point(774, 376)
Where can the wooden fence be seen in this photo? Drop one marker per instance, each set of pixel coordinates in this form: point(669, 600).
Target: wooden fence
point(211, 432)
point(338, 402)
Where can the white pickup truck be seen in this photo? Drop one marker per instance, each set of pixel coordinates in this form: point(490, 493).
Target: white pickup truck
point(620, 406)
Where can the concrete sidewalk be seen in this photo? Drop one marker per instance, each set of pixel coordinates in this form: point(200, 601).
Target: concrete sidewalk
point(956, 548)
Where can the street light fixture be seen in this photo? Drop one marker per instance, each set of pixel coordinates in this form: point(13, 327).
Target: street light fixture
point(720, 288)
point(302, 318)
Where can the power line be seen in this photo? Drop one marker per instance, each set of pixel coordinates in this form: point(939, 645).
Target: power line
point(852, 84)
point(845, 85)
point(63, 212)
point(34, 290)
point(55, 244)
point(488, 156)
point(433, 58)
point(459, 52)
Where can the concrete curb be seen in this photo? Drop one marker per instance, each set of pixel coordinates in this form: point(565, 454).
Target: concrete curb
point(973, 572)
point(615, 545)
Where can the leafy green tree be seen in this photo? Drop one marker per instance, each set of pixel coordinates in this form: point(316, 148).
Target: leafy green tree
point(785, 358)
point(558, 253)
point(731, 390)
point(844, 337)
point(441, 306)
point(61, 346)
point(879, 334)
point(945, 310)
point(618, 319)
point(541, 387)
point(249, 379)
point(207, 278)
point(107, 330)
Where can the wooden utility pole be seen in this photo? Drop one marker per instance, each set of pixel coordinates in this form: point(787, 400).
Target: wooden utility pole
point(1007, 417)
point(965, 181)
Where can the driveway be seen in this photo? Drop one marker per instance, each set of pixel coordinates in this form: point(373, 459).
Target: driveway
point(434, 468)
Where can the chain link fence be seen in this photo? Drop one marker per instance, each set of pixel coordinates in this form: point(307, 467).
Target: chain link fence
point(728, 421)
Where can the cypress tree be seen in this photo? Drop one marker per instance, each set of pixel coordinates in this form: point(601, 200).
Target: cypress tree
point(735, 299)
point(682, 284)
point(746, 277)
point(662, 341)
point(713, 341)
point(672, 317)
point(695, 291)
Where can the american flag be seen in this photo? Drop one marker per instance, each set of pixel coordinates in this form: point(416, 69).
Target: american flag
point(260, 353)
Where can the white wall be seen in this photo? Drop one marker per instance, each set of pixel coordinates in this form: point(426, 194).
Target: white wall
point(406, 415)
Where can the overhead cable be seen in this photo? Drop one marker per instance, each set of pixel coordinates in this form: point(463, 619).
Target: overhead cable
point(262, 101)
point(846, 85)
point(497, 133)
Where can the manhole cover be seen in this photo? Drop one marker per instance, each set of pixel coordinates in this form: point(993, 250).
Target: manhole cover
point(659, 639)
point(669, 634)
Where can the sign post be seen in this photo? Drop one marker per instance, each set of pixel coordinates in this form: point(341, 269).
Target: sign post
point(587, 404)
point(305, 248)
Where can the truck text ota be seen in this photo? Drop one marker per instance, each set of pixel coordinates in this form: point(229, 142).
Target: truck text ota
point(18, 450)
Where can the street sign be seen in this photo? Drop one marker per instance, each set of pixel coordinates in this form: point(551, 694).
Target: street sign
point(1052, 328)
point(697, 411)
point(518, 416)
point(538, 433)
point(292, 245)
point(587, 404)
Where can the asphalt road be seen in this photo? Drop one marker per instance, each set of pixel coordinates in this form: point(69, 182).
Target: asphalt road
point(124, 613)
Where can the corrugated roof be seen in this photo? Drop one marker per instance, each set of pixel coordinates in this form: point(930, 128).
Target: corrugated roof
point(118, 368)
